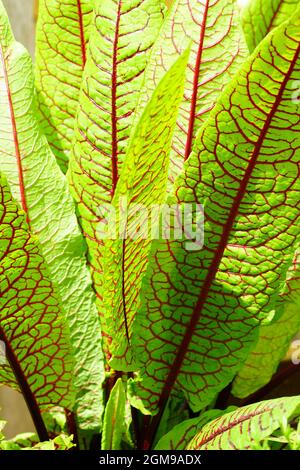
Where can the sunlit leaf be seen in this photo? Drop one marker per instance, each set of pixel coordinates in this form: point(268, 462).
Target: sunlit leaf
point(61, 42)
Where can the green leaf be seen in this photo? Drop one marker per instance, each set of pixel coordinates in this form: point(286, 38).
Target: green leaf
point(240, 429)
point(175, 412)
point(142, 185)
point(38, 184)
point(121, 37)
point(274, 339)
point(55, 420)
point(259, 17)
point(114, 418)
point(61, 40)
point(31, 325)
point(201, 306)
point(218, 49)
point(26, 439)
point(179, 437)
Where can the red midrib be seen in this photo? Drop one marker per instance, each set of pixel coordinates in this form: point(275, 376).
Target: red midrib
point(123, 287)
point(212, 271)
point(28, 396)
point(81, 32)
point(114, 157)
point(16, 140)
point(190, 134)
point(273, 17)
point(231, 425)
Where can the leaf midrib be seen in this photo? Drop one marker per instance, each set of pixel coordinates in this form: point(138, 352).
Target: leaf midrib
point(81, 33)
point(275, 13)
point(191, 125)
point(213, 269)
point(230, 426)
point(114, 118)
point(27, 393)
point(15, 139)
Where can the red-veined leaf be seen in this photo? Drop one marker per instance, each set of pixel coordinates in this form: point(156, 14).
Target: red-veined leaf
point(37, 359)
point(259, 17)
point(201, 309)
point(218, 50)
point(61, 42)
point(247, 426)
point(121, 37)
point(37, 183)
point(274, 340)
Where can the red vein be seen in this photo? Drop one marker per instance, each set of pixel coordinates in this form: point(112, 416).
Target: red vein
point(29, 397)
point(189, 140)
point(212, 271)
point(123, 287)
point(81, 30)
point(114, 157)
point(276, 11)
point(16, 140)
point(230, 425)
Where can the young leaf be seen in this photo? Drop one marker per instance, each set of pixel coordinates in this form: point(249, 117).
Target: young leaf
point(240, 429)
point(179, 437)
point(38, 184)
point(31, 327)
point(114, 418)
point(61, 40)
point(142, 184)
point(121, 37)
point(259, 17)
point(201, 308)
point(274, 340)
point(217, 52)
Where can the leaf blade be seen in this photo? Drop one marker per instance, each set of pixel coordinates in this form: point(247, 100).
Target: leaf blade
point(32, 326)
point(274, 340)
point(217, 296)
point(61, 42)
point(143, 184)
point(114, 418)
point(213, 29)
point(180, 436)
point(38, 184)
point(259, 17)
point(241, 428)
point(121, 36)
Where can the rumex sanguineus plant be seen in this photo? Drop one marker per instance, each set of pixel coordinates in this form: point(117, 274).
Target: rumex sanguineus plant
point(124, 340)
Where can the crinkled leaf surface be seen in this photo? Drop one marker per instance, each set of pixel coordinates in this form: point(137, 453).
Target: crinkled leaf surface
point(121, 37)
point(38, 184)
point(274, 339)
point(61, 42)
point(141, 186)
point(217, 51)
point(114, 418)
point(243, 427)
point(201, 309)
point(259, 17)
point(31, 324)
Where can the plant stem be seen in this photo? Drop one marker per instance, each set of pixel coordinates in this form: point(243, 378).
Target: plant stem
point(29, 397)
point(223, 397)
point(72, 427)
